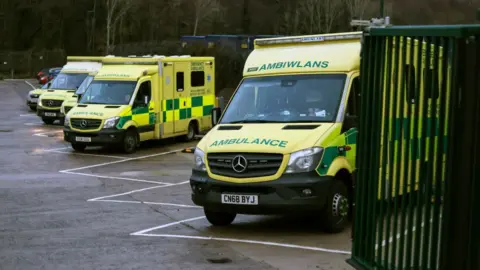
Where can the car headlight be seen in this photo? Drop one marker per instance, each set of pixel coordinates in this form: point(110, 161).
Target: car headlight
point(62, 110)
point(66, 122)
point(304, 160)
point(111, 122)
point(199, 160)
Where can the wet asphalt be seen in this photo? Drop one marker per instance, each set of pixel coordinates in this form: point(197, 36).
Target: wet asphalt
point(107, 210)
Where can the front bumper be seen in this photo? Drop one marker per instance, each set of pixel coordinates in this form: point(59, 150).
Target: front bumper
point(280, 196)
point(50, 113)
point(32, 102)
point(98, 138)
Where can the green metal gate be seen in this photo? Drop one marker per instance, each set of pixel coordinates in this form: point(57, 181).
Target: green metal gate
point(416, 202)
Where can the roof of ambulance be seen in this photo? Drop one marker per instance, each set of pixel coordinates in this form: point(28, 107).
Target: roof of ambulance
point(339, 52)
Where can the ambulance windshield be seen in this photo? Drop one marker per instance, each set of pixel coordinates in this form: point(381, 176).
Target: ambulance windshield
point(109, 92)
point(84, 85)
point(68, 81)
point(286, 98)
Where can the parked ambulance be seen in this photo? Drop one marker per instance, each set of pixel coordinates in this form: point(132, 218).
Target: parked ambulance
point(33, 95)
point(286, 142)
point(135, 99)
point(64, 86)
point(70, 102)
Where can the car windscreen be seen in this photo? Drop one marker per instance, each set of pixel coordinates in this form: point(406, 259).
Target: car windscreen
point(84, 85)
point(68, 81)
point(286, 98)
point(109, 92)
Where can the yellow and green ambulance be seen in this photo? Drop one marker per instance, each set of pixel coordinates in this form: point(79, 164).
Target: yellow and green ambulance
point(286, 142)
point(70, 102)
point(135, 99)
point(63, 87)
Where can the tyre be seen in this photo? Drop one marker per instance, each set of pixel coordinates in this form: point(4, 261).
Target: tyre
point(33, 108)
point(79, 147)
point(48, 121)
point(335, 216)
point(192, 131)
point(130, 141)
point(219, 218)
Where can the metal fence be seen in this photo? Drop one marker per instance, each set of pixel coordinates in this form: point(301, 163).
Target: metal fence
point(418, 187)
point(27, 63)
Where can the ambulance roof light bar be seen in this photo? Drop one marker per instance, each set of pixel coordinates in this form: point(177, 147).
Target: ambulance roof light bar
point(374, 22)
point(305, 39)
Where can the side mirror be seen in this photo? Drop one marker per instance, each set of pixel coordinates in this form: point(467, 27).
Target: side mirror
point(216, 113)
point(49, 84)
point(79, 96)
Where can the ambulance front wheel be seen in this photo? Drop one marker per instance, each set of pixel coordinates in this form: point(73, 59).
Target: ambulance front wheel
point(130, 141)
point(79, 147)
point(335, 215)
point(219, 218)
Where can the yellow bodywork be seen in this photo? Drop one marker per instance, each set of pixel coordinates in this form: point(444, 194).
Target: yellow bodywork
point(176, 101)
point(392, 153)
point(75, 65)
point(320, 54)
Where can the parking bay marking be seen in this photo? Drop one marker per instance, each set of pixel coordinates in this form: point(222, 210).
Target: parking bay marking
point(145, 232)
point(151, 203)
point(265, 243)
point(137, 190)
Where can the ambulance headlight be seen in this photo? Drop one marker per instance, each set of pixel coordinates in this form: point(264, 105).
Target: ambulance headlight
point(304, 160)
point(199, 160)
point(111, 122)
point(66, 122)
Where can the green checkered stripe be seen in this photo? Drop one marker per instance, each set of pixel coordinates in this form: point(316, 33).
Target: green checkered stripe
point(186, 108)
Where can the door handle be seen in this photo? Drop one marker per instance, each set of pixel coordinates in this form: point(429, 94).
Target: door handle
point(151, 109)
point(184, 103)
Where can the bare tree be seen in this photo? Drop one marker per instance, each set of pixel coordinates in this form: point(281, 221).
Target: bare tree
point(321, 14)
point(116, 9)
point(357, 8)
point(204, 9)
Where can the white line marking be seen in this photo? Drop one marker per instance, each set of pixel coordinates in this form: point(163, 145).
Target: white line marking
point(31, 85)
point(120, 161)
point(34, 124)
point(134, 191)
point(265, 243)
point(28, 115)
point(117, 178)
point(87, 154)
point(44, 134)
point(414, 228)
point(166, 225)
point(56, 149)
point(151, 203)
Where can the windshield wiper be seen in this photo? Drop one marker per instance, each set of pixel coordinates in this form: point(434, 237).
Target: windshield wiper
point(253, 121)
point(92, 102)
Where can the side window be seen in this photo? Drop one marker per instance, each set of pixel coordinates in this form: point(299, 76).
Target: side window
point(410, 82)
point(180, 78)
point(144, 93)
point(197, 78)
point(353, 102)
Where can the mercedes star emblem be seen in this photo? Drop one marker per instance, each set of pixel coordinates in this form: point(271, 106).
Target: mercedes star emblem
point(83, 123)
point(50, 102)
point(239, 164)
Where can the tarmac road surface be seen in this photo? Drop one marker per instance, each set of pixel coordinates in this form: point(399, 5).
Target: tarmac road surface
point(107, 210)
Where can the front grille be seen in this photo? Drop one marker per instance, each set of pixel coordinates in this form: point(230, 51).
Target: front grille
point(51, 103)
point(258, 164)
point(80, 123)
point(67, 109)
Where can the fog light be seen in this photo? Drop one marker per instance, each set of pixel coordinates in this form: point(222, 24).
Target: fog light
point(112, 136)
point(307, 192)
